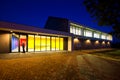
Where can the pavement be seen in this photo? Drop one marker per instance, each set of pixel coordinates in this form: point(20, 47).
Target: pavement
point(77, 65)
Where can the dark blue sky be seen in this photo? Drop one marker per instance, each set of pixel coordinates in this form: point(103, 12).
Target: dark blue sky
point(36, 12)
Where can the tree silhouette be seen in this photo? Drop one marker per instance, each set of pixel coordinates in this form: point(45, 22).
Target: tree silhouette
point(106, 13)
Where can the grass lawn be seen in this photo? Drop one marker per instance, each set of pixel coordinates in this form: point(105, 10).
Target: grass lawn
point(113, 54)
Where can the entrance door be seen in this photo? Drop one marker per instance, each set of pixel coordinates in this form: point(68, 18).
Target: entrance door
point(23, 40)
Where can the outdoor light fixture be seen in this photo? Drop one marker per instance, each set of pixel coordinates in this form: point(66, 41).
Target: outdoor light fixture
point(88, 41)
point(108, 42)
point(97, 42)
point(103, 42)
point(11, 31)
point(76, 40)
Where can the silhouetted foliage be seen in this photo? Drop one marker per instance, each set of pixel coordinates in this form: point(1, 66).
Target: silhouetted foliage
point(115, 45)
point(106, 13)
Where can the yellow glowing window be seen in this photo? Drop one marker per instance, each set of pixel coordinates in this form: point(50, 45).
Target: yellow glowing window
point(43, 43)
point(61, 43)
point(37, 43)
point(48, 43)
point(53, 43)
point(57, 43)
point(30, 42)
point(77, 30)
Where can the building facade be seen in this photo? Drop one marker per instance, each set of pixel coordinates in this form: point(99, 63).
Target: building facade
point(59, 34)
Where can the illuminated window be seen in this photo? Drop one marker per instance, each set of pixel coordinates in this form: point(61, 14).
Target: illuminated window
point(71, 29)
point(96, 35)
point(87, 33)
point(57, 43)
point(74, 31)
point(37, 43)
point(109, 37)
point(48, 43)
point(77, 31)
point(43, 43)
point(22, 40)
point(53, 43)
point(61, 43)
point(103, 36)
point(80, 31)
point(30, 42)
point(15, 43)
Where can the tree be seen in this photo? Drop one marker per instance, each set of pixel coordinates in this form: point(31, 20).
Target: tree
point(106, 13)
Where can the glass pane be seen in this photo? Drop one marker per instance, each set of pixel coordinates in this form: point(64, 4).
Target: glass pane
point(74, 30)
point(96, 35)
point(61, 43)
point(30, 42)
point(15, 43)
point(103, 36)
point(53, 43)
point(88, 33)
point(37, 43)
point(109, 37)
point(84, 32)
point(77, 31)
point(48, 43)
point(71, 30)
point(43, 43)
point(22, 41)
point(57, 43)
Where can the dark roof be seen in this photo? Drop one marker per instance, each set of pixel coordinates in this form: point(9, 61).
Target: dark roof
point(29, 29)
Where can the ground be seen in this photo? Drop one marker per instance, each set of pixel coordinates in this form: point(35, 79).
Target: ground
point(77, 65)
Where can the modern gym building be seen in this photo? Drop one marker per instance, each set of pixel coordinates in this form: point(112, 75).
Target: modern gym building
point(59, 34)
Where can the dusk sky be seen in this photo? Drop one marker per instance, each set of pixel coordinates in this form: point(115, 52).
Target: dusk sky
point(36, 12)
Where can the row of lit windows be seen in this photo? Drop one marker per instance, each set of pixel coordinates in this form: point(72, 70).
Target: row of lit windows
point(36, 43)
point(88, 33)
point(43, 43)
point(75, 30)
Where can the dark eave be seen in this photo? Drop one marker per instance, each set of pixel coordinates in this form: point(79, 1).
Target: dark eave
point(30, 29)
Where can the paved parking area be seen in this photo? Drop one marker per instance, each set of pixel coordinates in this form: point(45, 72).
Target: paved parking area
point(77, 65)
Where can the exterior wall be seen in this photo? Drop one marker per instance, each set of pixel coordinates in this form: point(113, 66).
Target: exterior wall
point(58, 24)
point(4, 42)
point(90, 44)
point(65, 43)
point(70, 44)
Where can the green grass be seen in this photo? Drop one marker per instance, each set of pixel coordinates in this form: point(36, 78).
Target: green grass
point(115, 54)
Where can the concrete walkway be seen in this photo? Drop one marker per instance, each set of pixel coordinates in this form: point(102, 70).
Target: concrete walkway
point(77, 65)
